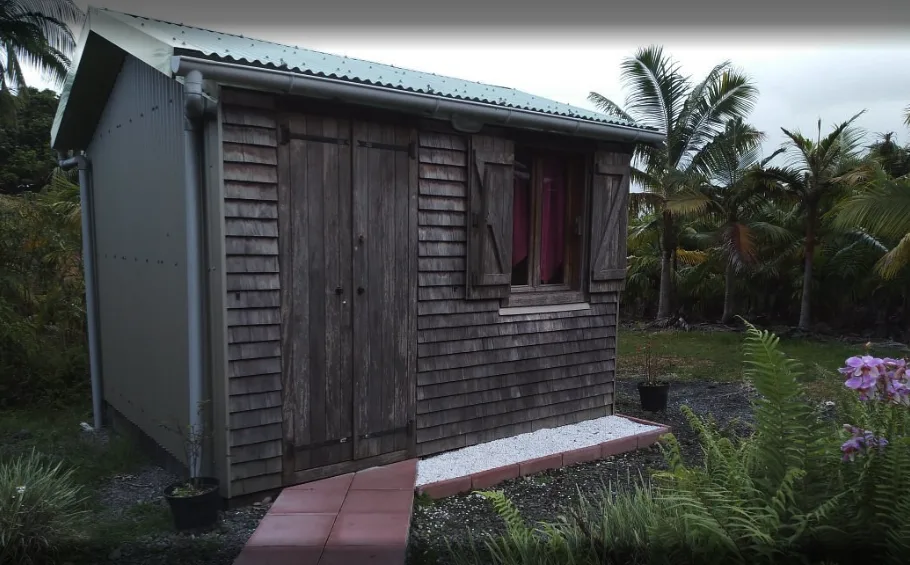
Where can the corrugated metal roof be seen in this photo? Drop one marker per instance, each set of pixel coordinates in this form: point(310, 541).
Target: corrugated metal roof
point(251, 51)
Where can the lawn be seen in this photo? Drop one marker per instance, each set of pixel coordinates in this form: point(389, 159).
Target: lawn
point(718, 356)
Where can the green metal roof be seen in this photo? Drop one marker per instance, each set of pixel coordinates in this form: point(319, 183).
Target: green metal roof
point(156, 41)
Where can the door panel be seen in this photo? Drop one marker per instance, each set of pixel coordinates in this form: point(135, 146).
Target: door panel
point(345, 198)
point(381, 195)
point(317, 267)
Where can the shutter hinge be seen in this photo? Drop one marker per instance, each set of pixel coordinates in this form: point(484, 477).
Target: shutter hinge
point(412, 150)
point(475, 219)
point(284, 134)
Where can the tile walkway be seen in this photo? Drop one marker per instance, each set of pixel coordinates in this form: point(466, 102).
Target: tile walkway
point(360, 517)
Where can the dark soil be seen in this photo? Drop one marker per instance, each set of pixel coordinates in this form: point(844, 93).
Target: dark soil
point(542, 497)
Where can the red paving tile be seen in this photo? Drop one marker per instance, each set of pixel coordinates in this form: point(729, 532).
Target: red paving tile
point(293, 530)
point(339, 520)
point(378, 529)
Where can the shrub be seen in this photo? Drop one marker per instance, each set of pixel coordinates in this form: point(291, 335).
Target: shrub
point(40, 506)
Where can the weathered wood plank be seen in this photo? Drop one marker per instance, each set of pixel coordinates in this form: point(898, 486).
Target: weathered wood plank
point(246, 334)
point(250, 246)
point(254, 350)
point(248, 117)
point(604, 370)
point(442, 234)
point(522, 415)
point(543, 388)
point(256, 451)
point(256, 484)
point(459, 334)
point(253, 317)
point(238, 190)
point(427, 350)
point(247, 264)
point(250, 172)
point(443, 172)
point(440, 293)
point(242, 402)
point(249, 135)
point(255, 468)
point(441, 279)
point(253, 418)
point(243, 153)
point(454, 219)
point(259, 281)
point(434, 321)
point(511, 355)
point(440, 445)
point(259, 434)
point(525, 365)
point(494, 408)
point(441, 249)
point(443, 157)
point(442, 141)
point(446, 189)
point(441, 264)
point(254, 299)
point(236, 227)
point(440, 204)
point(250, 367)
point(250, 209)
point(255, 384)
point(452, 307)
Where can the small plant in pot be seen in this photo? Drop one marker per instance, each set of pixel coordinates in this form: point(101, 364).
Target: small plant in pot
point(652, 392)
point(195, 502)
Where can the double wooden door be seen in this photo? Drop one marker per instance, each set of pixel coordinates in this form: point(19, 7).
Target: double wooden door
point(347, 210)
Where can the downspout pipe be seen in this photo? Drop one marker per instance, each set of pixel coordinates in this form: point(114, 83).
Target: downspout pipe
point(91, 299)
point(432, 106)
point(193, 160)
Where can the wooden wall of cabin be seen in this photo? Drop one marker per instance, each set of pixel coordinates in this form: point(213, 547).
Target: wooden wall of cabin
point(481, 375)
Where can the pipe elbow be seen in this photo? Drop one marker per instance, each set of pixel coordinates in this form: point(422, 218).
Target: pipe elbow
point(195, 100)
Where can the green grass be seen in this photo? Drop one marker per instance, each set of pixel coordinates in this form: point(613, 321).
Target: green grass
point(718, 356)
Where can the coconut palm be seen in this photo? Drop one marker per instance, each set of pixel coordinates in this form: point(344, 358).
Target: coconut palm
point(34, 33)
point(689, 115)
point(812, 175)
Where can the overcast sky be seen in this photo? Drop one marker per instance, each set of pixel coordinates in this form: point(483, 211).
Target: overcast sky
point(805, 71)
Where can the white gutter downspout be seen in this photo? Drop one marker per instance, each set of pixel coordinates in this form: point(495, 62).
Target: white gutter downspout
point(91, 290)
point(430, 105)
point(195, 106)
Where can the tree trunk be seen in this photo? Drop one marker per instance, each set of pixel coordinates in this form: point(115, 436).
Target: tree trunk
point(805, 319)
point(728, 295)
point(665, 298)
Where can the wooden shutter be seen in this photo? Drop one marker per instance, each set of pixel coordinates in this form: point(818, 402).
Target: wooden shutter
point(489, 261)
point(609, 220)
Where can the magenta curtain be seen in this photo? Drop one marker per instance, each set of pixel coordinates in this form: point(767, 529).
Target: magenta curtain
point(521, 219)
point(552, 240)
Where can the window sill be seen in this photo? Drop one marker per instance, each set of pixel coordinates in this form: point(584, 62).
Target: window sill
point(550, 309)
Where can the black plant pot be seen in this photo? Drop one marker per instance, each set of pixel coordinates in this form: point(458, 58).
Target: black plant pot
point(199, 511)
point(653, 396)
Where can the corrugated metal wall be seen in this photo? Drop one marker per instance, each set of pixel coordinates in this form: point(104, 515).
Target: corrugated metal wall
point(138, 174)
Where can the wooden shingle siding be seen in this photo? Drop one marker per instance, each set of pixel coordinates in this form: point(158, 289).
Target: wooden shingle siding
point(249, 148)
point(481, 375)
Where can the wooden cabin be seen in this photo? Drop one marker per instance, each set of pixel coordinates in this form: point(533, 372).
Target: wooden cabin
point(345, 263)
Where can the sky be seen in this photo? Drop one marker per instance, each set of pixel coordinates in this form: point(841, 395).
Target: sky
point(805, 69)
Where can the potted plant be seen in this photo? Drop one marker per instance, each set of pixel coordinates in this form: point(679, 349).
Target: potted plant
point(195, 501)
point(652, 392)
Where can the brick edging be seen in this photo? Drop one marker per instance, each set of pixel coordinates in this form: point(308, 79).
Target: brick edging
point(491, 477)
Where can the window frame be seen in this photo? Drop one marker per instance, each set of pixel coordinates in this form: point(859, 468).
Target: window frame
point(578, 164)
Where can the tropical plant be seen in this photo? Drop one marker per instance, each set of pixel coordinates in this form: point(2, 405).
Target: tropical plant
point(40, 507)
point(811, 176)
point(34, 33)
point(689, 115)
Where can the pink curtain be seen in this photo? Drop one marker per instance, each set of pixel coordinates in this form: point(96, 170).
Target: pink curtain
point(552, 240)
point(521, 220)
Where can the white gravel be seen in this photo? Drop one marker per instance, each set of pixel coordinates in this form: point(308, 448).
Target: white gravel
point(523, 447)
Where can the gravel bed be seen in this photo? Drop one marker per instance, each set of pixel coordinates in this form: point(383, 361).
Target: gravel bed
point(219, 546)
point(523, 447)
point(543, 496)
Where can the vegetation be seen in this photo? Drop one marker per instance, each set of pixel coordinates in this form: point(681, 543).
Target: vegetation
point(794, 491)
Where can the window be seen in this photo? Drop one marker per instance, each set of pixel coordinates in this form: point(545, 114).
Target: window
point(546, 224)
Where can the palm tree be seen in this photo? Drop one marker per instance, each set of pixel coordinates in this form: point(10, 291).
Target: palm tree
point(812, 175)
point(34, 33)
point(734, 200)
point(689, 115)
